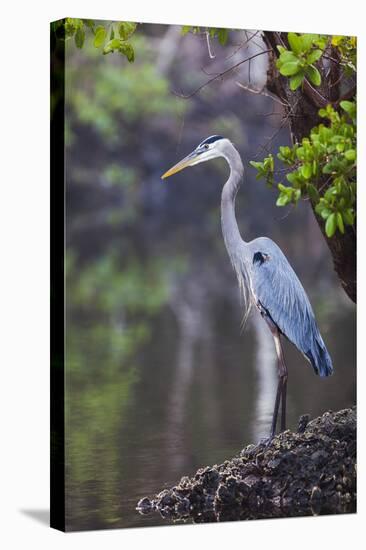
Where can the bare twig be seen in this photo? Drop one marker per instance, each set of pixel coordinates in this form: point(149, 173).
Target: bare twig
point(263, 92)
point(244, 43)
point(210, 54)
point(286, 118)
point(220, 75)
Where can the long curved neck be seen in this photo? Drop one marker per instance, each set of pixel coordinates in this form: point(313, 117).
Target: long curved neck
point(230, 230)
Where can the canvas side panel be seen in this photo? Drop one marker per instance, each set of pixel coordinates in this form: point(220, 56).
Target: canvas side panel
point(57, 496)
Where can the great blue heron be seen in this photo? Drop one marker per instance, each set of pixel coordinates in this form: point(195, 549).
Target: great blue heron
point(265, 277)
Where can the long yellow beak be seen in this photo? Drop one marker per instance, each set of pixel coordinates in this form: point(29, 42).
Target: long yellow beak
point(187, 161)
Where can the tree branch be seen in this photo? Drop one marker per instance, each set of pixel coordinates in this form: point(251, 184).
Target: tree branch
point(220, 75)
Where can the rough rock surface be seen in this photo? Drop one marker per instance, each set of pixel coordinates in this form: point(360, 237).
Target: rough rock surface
point(312, 471)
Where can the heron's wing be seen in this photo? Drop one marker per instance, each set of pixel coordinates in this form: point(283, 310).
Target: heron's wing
point(279, 291)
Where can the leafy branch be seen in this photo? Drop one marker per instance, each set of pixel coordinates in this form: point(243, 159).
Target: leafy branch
point(329, 152)
point(109, 38)
point(298, 62)
point(322, 166)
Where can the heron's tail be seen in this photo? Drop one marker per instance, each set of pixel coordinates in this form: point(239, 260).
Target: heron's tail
point(320, 358)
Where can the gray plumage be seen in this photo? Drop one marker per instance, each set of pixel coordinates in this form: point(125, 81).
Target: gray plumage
point(266, 279)
point(277, 289)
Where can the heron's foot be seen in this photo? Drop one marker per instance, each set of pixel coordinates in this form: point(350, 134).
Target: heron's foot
point(262, 444)
point(265, 441)
point(268, 440)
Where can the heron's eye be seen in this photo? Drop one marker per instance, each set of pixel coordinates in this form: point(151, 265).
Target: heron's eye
point(206, 146)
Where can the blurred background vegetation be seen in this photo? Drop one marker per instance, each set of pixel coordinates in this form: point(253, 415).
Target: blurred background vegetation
point(160, 380)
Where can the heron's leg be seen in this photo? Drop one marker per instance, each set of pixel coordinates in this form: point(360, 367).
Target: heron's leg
point(276, 407)
point(283, 374)
point(282, 377)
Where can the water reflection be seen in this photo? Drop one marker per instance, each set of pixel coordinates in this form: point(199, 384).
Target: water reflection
point(188, 305)
point(265, 363)
point(194, 395)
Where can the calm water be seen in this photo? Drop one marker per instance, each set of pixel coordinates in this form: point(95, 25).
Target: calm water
point(194, 391)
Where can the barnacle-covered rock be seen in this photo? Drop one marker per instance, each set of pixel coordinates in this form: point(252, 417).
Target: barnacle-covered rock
point(311, 471)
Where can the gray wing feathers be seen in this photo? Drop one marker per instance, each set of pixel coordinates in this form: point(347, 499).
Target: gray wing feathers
point(279, 291)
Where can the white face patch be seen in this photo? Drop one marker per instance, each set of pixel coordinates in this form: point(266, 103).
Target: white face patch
point(209, 148)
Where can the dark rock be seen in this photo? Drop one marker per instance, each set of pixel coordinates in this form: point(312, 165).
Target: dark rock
point(166, 512)
point(144, 505)
point(225, 494)
point(182, 507)
point(251, 480)
point(316, 494)
point(167, 500)
point(319, 457)
point(274, 463)
point(312, 471)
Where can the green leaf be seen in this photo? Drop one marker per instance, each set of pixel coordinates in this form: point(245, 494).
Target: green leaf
point(307, 41)
point(350, 154)
point(79, 37)
point(222, 36)
point(350, 108)
point(296, 81)
point(337, 40)
point(256, 165)
point(321, 41)
point(313, 56)
point(340, 222)
point(307, 171)
point(292, 177)
point(297, 195)
point(286, 57)
point(286, 154)
point(348, 216)
point(329, 194)
point(283, 200)
point(100, 36)
point(268, 163)
point(70, 26)
point(112, 45)
point(186, 29)
point(290, 68)
point(331, 225)
point(125, 29)
point(314, 75)
point(295, 42)
point(347, 106)
point(325, 213)
point(285, 151)
point(127, 50)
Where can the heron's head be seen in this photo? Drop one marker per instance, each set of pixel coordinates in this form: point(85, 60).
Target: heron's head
point(210, 148)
